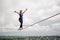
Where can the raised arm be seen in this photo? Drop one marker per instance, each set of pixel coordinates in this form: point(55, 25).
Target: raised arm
point(16, 12)
point(25, 10)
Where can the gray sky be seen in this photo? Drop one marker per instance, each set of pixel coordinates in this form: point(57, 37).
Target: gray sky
point(37, 10)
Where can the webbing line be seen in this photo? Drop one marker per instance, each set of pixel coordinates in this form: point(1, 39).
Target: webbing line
point(43, 19)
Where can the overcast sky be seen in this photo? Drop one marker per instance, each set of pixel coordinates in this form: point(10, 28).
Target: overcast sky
point(37, 10)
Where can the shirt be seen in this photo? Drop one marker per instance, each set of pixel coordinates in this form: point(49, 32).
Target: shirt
point(21, 15)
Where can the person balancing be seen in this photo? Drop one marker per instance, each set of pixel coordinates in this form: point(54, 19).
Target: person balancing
point(21, 18)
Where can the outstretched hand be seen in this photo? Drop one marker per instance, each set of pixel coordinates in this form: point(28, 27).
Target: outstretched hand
point(14, 11)
point(26, 8)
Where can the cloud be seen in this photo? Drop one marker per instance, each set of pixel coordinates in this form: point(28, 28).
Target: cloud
point(37, 10)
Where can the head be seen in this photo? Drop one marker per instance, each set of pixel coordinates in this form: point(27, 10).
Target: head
point(20, 11)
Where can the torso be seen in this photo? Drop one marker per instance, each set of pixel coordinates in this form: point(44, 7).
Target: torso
point(21, 15)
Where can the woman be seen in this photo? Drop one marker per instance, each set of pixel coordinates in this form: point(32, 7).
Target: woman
point(21, 18)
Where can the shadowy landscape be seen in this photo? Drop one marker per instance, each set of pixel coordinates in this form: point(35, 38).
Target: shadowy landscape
point(29, 37)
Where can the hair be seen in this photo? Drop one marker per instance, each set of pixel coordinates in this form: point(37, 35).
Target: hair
point(20, 11)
